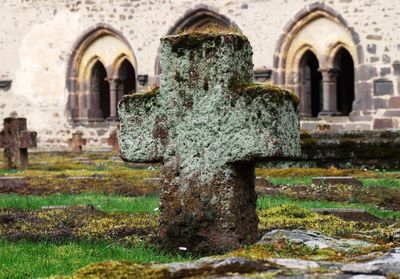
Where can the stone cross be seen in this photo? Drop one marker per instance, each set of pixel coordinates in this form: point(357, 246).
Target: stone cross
point(208, 124)
point(113, 141)
point(76, 142)
point(15, 139)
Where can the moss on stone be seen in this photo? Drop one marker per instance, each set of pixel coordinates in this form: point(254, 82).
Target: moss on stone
point(293, 217)
point(196, 39)
point(254, 89)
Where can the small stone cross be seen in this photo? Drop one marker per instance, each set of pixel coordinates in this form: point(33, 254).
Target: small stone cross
point(208, 124)
point(76, 142)
point(15, 139)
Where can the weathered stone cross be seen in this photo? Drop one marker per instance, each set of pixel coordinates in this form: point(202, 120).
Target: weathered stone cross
point(208, 124)
point(15, 139)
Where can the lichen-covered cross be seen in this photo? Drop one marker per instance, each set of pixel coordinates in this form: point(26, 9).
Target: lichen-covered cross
point(16, 139)
point(208, 124)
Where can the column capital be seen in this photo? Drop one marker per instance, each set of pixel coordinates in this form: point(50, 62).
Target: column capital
point(329, 74)
point(113, 80)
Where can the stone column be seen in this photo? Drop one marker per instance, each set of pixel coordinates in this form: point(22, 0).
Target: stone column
point(113, 99)
point(329, 97)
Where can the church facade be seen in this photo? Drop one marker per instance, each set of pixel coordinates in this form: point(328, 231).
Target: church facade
point(65, 64)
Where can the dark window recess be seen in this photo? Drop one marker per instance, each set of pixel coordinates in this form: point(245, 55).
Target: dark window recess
point(5, 84)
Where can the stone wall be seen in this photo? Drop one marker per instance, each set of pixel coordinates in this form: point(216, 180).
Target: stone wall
point(38, 39)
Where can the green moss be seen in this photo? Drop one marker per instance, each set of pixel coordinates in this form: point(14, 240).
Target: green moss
point(78, 223)
point(195, 39)
point(118, 269)
point(254, 89)
point(294, 217)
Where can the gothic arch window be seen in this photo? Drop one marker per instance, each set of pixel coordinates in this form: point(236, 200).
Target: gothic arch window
point(344, 64)
point(126, 77)
point(197, 18)
point(310, 85)
point(299, 34)
point(91, 75)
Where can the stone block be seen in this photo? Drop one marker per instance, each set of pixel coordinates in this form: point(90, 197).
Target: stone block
point(392, 113)
point(365, 72)
point(380, 103)
point(385, 71)
point(371, 48)
point(396, 68)
point(383, 123)
point(383, 87)
point(394, 102)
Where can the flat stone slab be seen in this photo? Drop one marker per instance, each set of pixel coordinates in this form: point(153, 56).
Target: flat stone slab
point(387, 264)
point(332, 180)
point(295, 263)
point(350, 214)
point(313, 240)
point(347, 180)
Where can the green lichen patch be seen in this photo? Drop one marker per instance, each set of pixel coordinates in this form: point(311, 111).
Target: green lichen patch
point(77, 223)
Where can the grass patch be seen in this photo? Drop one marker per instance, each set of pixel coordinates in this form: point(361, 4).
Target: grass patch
point(26, 259)
point(107, 203)
point(307, 180)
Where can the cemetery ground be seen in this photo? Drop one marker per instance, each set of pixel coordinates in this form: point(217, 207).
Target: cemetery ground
point(93, 215)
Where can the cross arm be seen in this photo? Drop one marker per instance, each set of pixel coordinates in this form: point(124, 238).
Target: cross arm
point(263, 122)
point(27, 139)
point(144, 133)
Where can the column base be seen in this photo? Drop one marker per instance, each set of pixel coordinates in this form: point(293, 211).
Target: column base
point(330, 113)
point(113, 118)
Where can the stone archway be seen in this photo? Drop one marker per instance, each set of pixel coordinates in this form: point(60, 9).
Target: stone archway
point(95, 45)
point(300, 34)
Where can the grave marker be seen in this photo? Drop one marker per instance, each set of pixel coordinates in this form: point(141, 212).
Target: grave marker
point(208, 124)
point(16, 139)
point(76, 142)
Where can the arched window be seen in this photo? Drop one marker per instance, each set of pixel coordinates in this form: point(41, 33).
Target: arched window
point(310, 85)
point(345, 81)
point(336, 66)
point(127, 77)
point(99, 91)
point(92, 75)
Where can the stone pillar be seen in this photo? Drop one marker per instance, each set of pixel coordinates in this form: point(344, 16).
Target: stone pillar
point(113, 99)
point(329, 97)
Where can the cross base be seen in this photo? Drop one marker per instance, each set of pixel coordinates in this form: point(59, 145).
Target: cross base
point(212, 217)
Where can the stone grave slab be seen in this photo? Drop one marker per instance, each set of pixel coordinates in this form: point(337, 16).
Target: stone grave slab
point(208, 124)
point(332, 180)
point(350, 214)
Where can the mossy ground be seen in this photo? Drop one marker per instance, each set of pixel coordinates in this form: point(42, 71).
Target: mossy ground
point(129, 224)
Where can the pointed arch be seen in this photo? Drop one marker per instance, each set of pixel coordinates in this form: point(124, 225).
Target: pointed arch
point(303, 18)
point(93, 44)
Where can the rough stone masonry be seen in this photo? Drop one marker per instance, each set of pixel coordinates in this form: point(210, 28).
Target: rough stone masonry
point(208, 124)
